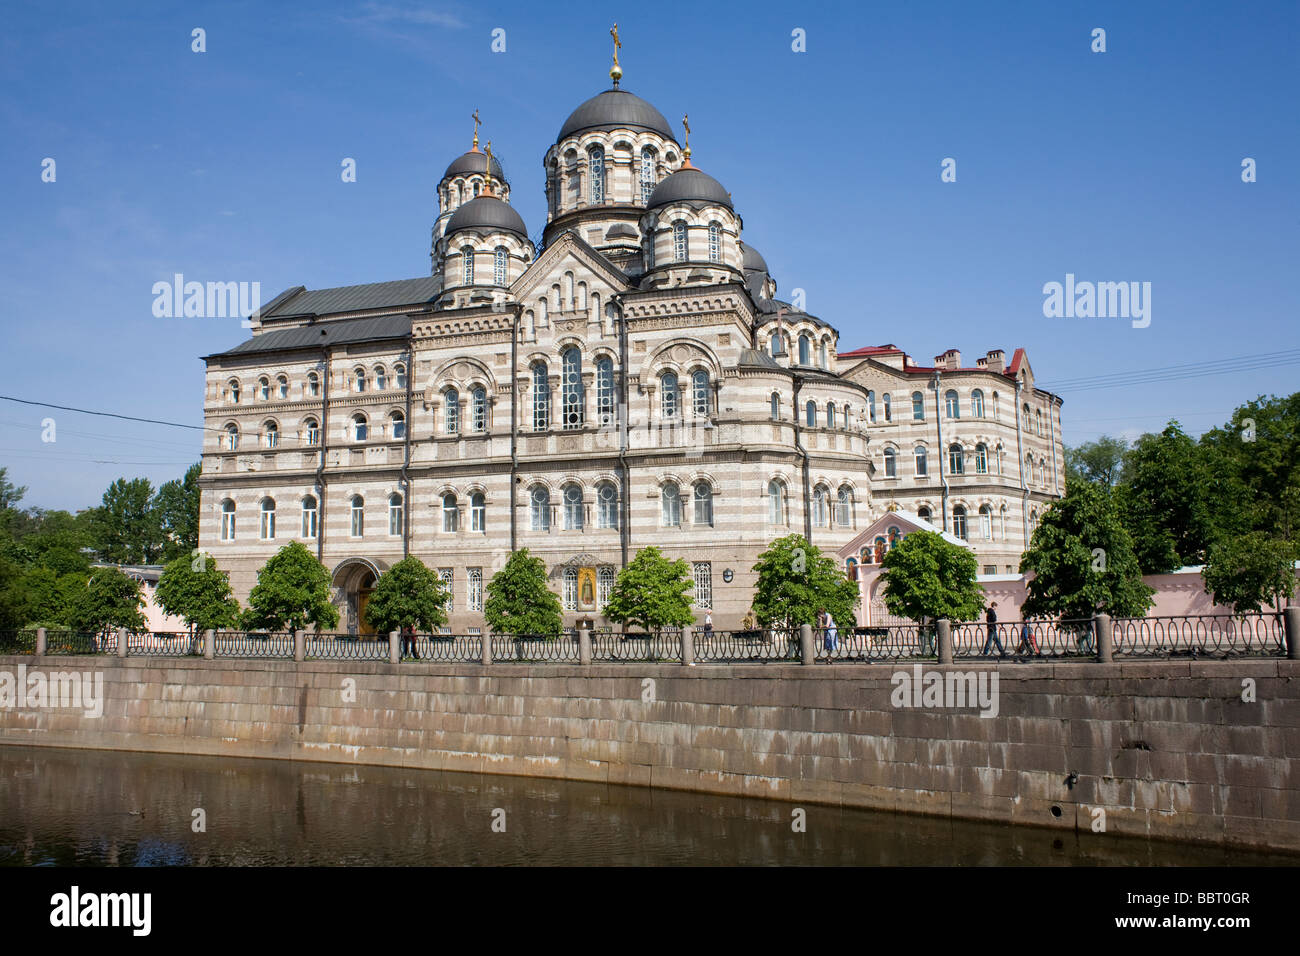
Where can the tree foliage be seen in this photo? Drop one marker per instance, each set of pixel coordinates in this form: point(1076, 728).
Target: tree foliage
point(1251, 571)
point(110, 600)
point(177, 508)
point(651, 592)
point(201, 597)
point(1083, 561)
point(518, 600)
point(796, 581)
point(1100, 461)
point(929, 577)
point(292, 592)
point(408, 593)
point(125, 525)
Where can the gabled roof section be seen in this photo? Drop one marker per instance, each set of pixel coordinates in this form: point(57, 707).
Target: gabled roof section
point(906, 521)
point(400, 295)
point(320, 334)
point(568, 243)
point(870, 350)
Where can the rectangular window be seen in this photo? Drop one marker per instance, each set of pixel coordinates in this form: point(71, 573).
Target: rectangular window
point(309, 522)
point(702, 571)
point(990, 569)
point(448, 582)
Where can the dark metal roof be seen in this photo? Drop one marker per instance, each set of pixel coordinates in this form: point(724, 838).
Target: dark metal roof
point(689, 184)
point(474, 161)
point(615, 109)
point(759, 358)
point(356, 298)
point(319, 334)
point(753, 262)
point(487, 212)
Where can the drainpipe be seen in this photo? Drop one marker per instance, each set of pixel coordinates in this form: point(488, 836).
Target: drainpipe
point(514, 426)
point(406, 457)
point(803, 454)
point(943, 452)
point(1051, 424)
point(625, 504)
point(324, 442)
point(1020, 467)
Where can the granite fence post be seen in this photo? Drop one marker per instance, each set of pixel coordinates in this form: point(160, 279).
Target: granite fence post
point(209, 644)
point(1291, 626)
point(807, 651)
point(121, 642)
point(943, 633)
point(584, 646)
point(40, 642)
point(299, 645)
point(1105, 638)
point(394, 648)
point(688, 646)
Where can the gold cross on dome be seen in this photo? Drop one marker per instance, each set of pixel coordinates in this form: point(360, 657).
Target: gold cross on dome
point(617, 43)
point(476, 122)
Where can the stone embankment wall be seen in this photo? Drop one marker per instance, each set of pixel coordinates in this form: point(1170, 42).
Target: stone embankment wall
point(1205, 751)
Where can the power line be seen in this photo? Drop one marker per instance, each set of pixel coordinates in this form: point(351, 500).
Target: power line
point(1175, 373)
point(87, 411)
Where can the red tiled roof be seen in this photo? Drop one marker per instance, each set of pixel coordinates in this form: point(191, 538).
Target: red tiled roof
point(869, 350)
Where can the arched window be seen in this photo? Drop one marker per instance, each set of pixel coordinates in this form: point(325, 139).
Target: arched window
point(715, 242)
point(700, 392)
point(359, 427)
point(844, 507)
point(952, 403)
point(604, 585)
point(313, 384)
point(397, 424)
point(359, 379)
point(1038, 421)
point(805, 346)
point(474, 590)
point(996, 407)
point(671, 500)
point(775, 502)
point(830, 414)
point(467, 265)
point(918, 407)
point(271, 434)
point(263, 388)
point(670, 400)
point(451, 398)
point(679, 241)
point(810, 413)
point(399, 374)
point(281, 387)
point(572, 507)
point(1025, 410)
point(1002, 522)
point(596, 168)
point(500, 257)
point(891, 463)
point(703, 503)
point(1029, 468)
point(477, 512)
point(871, 407)
point(823, 356)
point(921, 463)
point(358, 515)
point(541, 398)
point(889, 416)
point(776, 407)
point(647, 173)
point(571, 388)
point(977, 404)
point(232, 390)
point(606, 506)
point(232, 437)
point(395, 515)
point(986, 522)
point(227, 520)
point(381, 378)
point(821, 511)
point(981, 459)
point(956, 460)
point(478, 409)
point(569, 591)
point(539, 509)
point(309, 516)
point(450, 513)
point(924, 512)
point(605, 390)
point(310, 432)
point(774, 343)
point(959, 522)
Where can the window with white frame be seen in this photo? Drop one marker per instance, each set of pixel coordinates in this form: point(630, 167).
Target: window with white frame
point(891, 463)
point(450, 513)
point(572, 495)
point(959, 522)
point(715, 242)
point(281, 387)
point(952, 403)
point(647, 173)
point(703, 496)
point(604, 586)
point(830, 414)
point(986, 522)
point(271, 434)
point(670, 400)
point(309, 516)
point(596, 166)
point(264, 388)
point(478, 406)
point(823, 356)
point(358, 515)
point(232, 437)
point(606, 505)
point(977, 404)
point(821, 511)
point(232, 391)
point(776, 407)
point(313, 384)
point(227, 520)
point(474, 590)
point(844, 507)
point(467, 265)
point(451, 398)
point(981, 459)
point(448, 579)
point(539, 508)
point(310, 432)
point(810, 413)
point(918, 407)
point(671, 501)
point(267, 532)
point(775, 503)
point(605, 390)
point(359, 427)
point(541, 398)
point(381, 378)
point(395, 514)
point(359, 379)
point(889, 414)
point(397, 424)
point(571, 392)
point(399, 375)
point(569, 593)
point(477, 512)
point(679, 241)
point(805, 347)
point(702, 573)
point(922, 465)
point(956, 459)
point(500, 257)
point(700, 392)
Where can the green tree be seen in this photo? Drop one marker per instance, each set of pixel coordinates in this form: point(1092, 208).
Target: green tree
point(177, 509)
point(47, 597)
point(200, 595)
point(292, 591)
point(110, 600)
point(1258, 452)
point(651, 592)
point(928, 577)
point(1083, 561)
point(796, 581)
point(1100, 461)
point(125, 525)
point(1251, 571)
point(518, 600)
point(57, 540)
point(407, 593)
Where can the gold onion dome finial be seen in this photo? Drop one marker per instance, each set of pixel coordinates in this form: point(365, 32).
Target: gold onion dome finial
point(474, 149)
point(616, 71)
point(487, 179)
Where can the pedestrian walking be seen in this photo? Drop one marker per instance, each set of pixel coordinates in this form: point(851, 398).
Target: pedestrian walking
point(1027, 643)
point(991, 620)
point(408, 639)
point(708, 623)
point(831, 637)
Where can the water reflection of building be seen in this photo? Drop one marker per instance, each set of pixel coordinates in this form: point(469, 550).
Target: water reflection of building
point(630, 379)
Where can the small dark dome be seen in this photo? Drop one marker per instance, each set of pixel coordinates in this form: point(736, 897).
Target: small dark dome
point(689, 184)
point(615, 109)
point(473, 162)
point(489, 213)
point(752, 261)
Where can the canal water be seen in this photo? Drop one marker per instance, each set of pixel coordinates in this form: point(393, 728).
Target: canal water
point(91, 808)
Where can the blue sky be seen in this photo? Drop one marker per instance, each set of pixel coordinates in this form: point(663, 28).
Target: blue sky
point(224, 166)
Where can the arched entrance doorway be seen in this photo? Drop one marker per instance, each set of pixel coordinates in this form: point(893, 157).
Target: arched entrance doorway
point(353, 580)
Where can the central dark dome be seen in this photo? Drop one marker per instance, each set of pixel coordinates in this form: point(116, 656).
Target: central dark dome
point(489, 213)
point(615, 109)
point(689, 184)
point(474, 162)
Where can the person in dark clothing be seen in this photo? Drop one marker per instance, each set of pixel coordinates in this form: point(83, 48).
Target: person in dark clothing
point(408, 640)
point(991, 619)
point(1027, 643)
